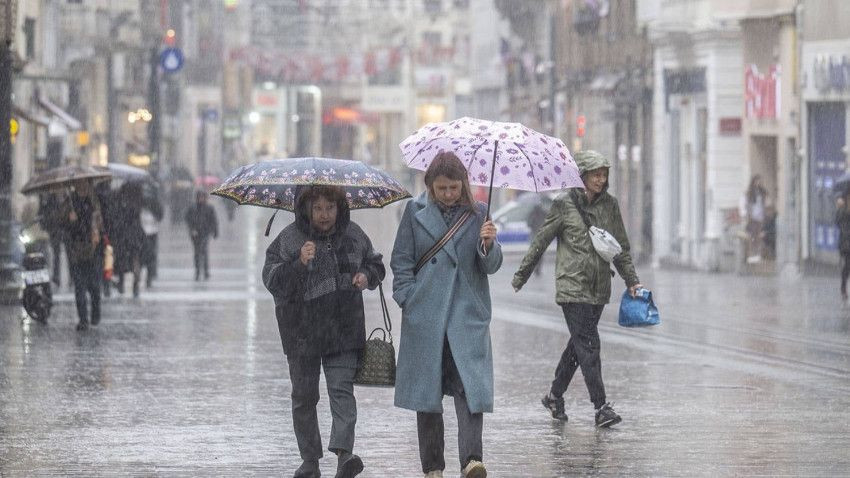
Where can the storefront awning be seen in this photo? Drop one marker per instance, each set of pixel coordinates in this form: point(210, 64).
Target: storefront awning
point(31, 116)
point(72, 123)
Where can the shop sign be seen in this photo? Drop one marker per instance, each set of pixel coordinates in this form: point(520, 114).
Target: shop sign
point(384, 99)
point(831, 73)
point(730, 126)
point(683, 82)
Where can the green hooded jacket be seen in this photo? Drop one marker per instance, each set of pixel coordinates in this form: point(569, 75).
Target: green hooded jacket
point(581, 274)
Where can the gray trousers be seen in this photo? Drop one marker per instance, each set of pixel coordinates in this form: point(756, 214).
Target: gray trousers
point(339, 375)
point(430, 426)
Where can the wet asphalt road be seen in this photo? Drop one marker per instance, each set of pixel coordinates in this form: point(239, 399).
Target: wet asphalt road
point(745, 376)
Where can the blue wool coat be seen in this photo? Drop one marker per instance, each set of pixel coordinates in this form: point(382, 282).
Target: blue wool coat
point(450, 296)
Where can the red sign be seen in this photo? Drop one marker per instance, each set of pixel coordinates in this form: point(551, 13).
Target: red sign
point(730, 126)
point(762, 92)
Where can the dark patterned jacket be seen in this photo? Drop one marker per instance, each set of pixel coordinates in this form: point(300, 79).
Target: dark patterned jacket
point(319, 312)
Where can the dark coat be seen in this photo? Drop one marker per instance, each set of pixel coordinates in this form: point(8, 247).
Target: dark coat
point(318, 311)
point(83, 235)
point(202, 222)
point(842, 220)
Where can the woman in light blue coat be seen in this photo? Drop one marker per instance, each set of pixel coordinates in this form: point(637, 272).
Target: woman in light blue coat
point(445, 331)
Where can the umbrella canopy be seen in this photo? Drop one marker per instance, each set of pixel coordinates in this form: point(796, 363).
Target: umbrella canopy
point(272, 183)
point(64, 177)
point(505, 155)
point(128, 173)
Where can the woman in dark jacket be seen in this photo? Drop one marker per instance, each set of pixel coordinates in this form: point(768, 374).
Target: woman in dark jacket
point(316, 270)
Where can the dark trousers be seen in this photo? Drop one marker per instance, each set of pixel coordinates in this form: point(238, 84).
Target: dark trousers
point(86, 276)
point(845, 271)
point(200, 246)
point(339, 375)
point(149, 257)
point(56, 253)
point(582, 351)
point(431, 429)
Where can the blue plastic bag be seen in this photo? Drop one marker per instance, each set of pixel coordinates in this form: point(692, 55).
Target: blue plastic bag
point(638, 311)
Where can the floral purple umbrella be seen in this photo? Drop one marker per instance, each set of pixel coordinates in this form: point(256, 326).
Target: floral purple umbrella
point(505, 155)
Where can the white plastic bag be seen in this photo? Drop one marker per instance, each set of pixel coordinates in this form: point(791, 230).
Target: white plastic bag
point(604, 243)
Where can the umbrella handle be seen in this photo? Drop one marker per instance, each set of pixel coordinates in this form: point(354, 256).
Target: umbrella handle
point(492, 173)
point(269, 225)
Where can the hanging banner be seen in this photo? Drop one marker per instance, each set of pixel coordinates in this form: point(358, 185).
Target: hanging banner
point(763, 92)
point(312, 68)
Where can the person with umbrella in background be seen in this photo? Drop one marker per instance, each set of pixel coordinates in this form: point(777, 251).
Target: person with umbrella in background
point(203, 224)
point(129, 235)
point(82, 221)
point(583, 284)
point(316, 269)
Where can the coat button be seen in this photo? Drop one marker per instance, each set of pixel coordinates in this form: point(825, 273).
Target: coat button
point(434, 260)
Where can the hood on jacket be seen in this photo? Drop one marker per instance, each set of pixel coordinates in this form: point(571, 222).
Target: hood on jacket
point(588, 160)
point(302, 212)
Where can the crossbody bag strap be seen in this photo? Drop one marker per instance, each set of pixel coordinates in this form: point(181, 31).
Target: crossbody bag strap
point(388, 324)
point(442, 242)
point(580, 210)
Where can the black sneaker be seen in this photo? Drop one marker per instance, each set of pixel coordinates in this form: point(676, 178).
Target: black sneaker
point(348, 466)
point(555, 406)
point(606, 416)
point(308, 469)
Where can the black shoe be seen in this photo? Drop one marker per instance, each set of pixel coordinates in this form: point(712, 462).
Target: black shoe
point(606, 416)
point(308, 469)
point(556, 407)
point(348, 466)
point(95, 319)
point(83, 325)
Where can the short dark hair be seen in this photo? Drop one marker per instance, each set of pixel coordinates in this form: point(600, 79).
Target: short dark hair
point(448, 165)
point(331, 193)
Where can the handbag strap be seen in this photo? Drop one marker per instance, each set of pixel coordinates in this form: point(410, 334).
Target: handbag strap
point(388, 324)
point(442, 242)
point(581, 211)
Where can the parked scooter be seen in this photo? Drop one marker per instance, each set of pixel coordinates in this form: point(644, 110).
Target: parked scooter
point(38, 295)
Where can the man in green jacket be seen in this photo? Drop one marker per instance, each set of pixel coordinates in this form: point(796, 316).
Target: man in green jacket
point(583, 279)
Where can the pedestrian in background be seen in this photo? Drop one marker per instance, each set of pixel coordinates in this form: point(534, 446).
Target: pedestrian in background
point(842, 220)
point(151, 215)
point(202, 223)
point(316, 270)
point(50, 220)
point(755, 209)
point(583, 284)
point(445, 330)
point(128, 236)
point(82, 221)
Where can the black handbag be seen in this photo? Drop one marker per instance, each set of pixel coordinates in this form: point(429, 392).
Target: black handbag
point(377, 361)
